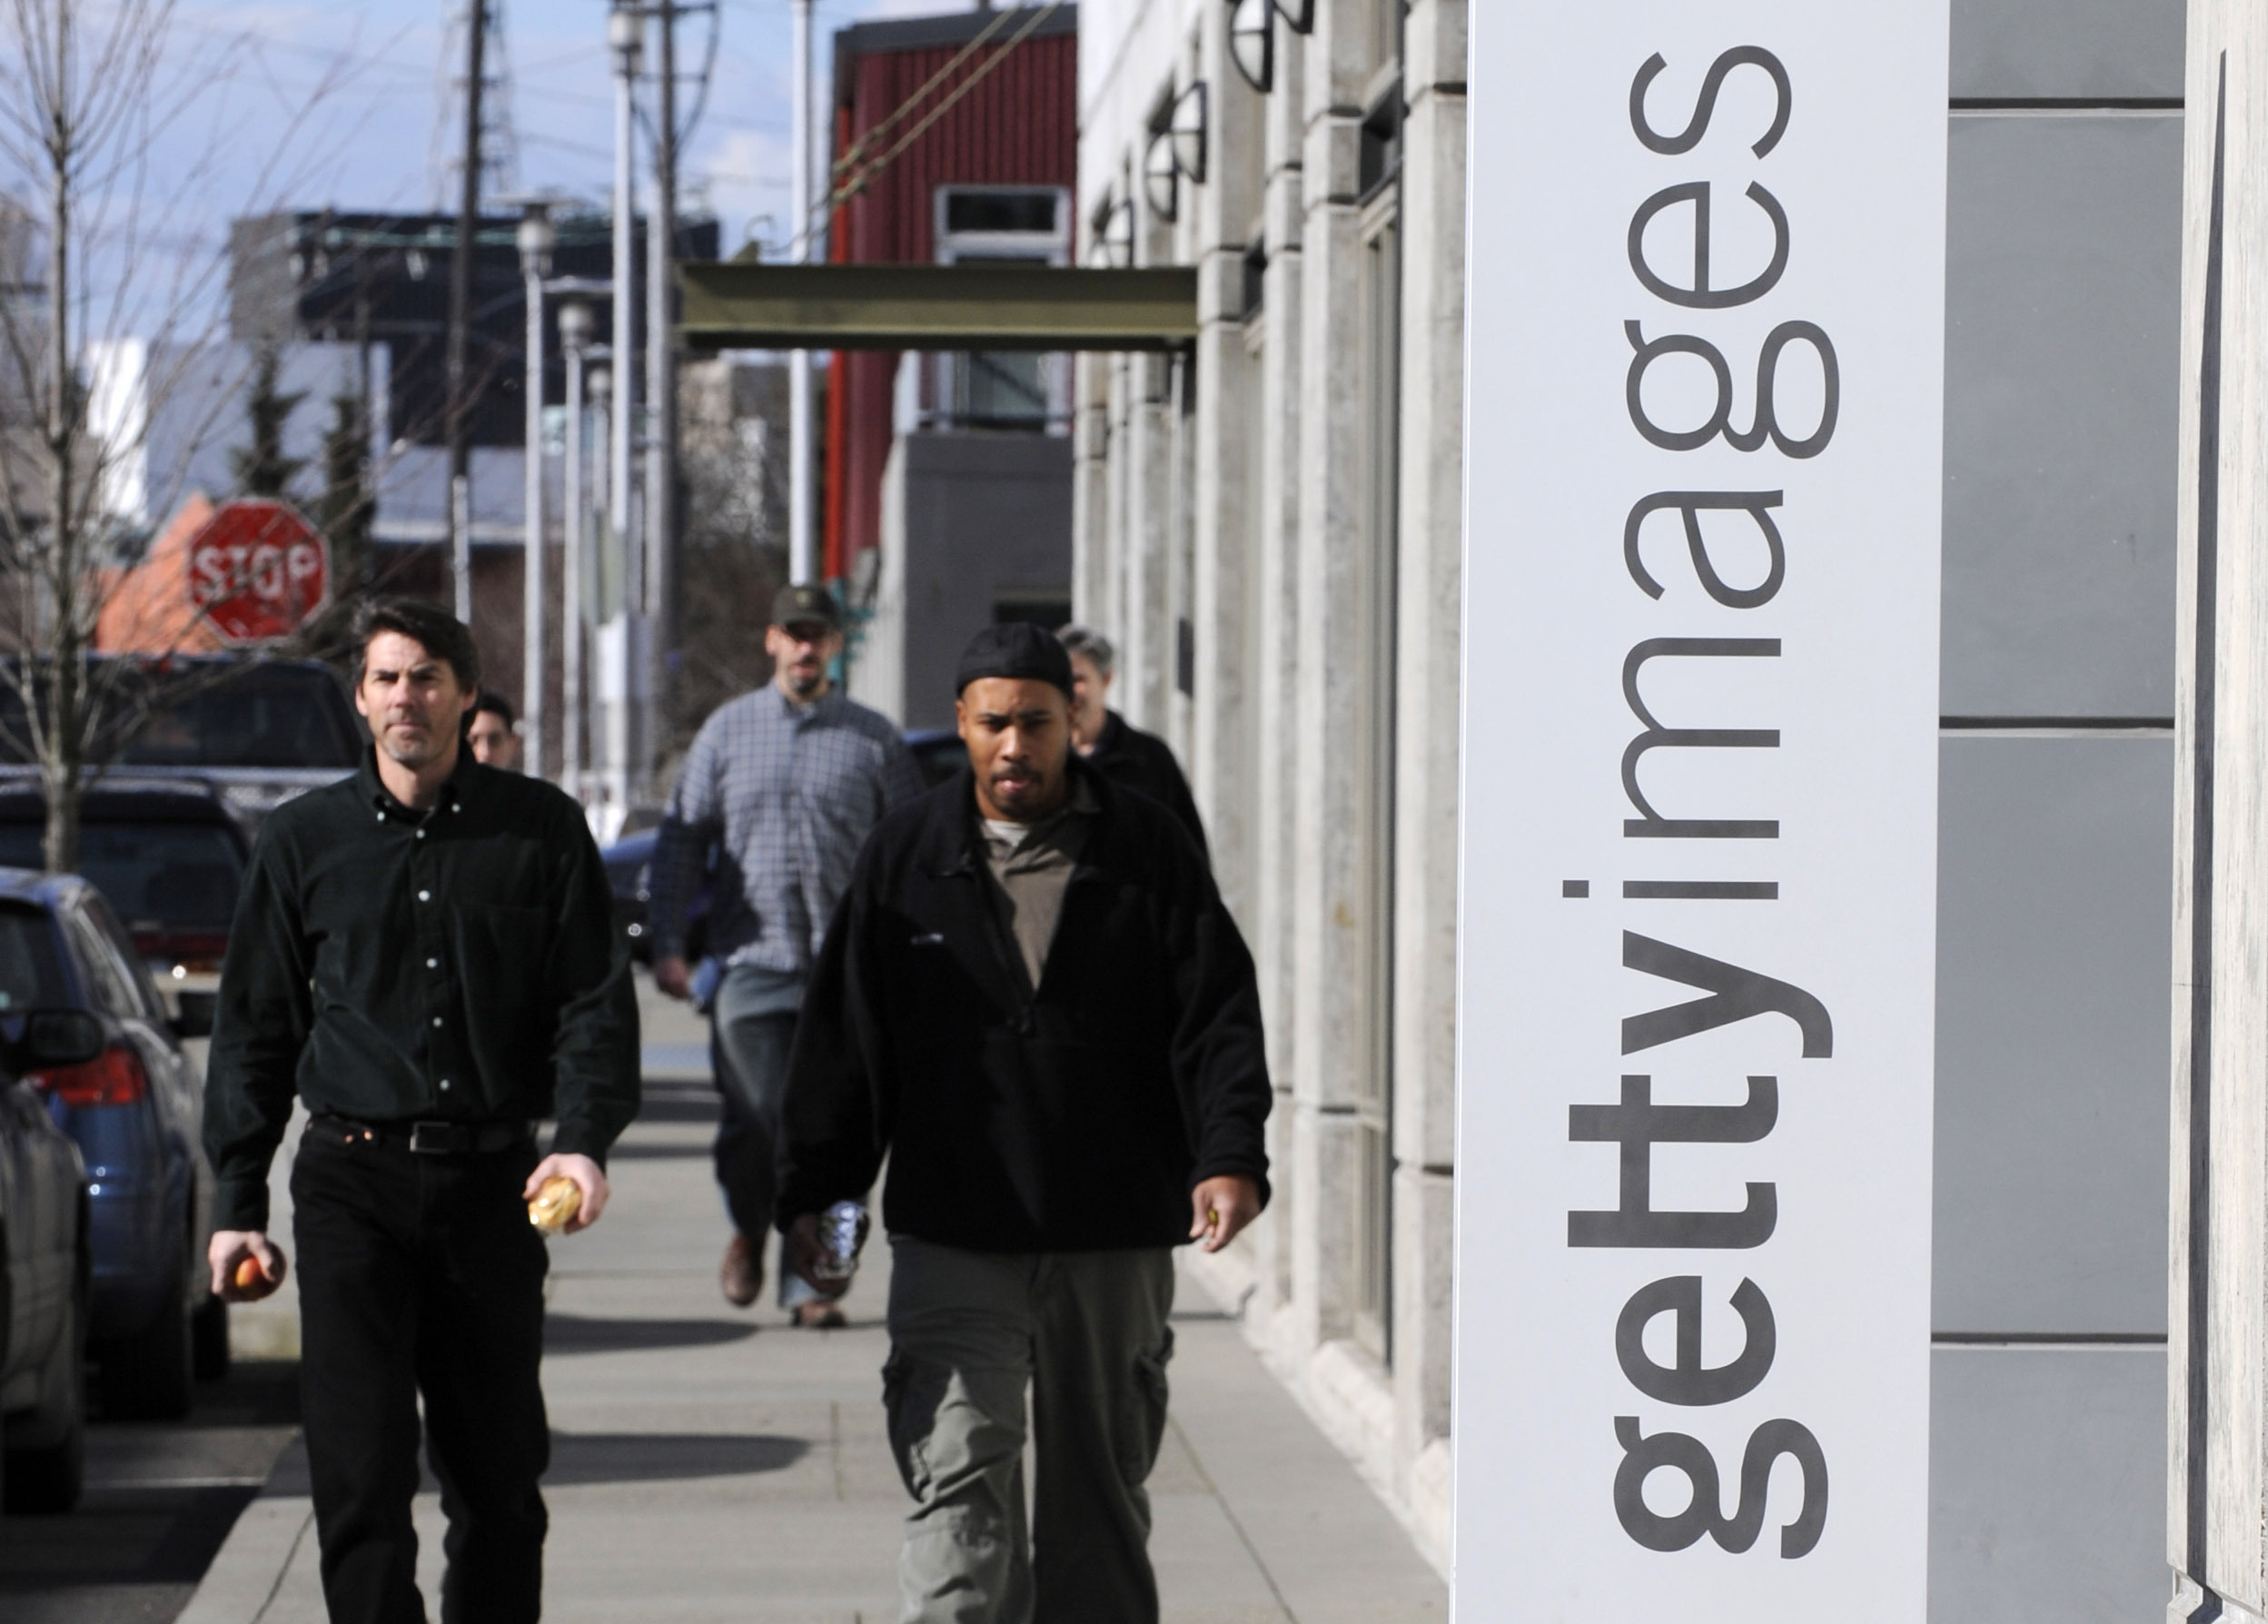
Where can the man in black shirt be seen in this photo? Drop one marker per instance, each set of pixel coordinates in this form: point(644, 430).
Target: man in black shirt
point(1114, 747)
point(424, 953)
point(1033, 1003)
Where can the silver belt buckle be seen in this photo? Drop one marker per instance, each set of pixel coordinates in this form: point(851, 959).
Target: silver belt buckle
point(434, 1138)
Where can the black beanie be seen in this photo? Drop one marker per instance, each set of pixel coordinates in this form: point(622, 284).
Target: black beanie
point(1016, 649)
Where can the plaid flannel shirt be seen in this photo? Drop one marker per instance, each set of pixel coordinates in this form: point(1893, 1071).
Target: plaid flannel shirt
point(786, 793)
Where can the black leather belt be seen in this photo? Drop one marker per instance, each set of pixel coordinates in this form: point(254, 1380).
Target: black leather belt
point(432, 1138)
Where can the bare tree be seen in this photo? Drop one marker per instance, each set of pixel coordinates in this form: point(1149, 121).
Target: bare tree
point(110, 181)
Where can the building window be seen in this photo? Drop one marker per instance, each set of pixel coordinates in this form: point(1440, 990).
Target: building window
point(1011, 390)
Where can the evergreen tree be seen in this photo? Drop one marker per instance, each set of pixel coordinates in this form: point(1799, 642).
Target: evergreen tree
point(262, 469)
point(345, 511)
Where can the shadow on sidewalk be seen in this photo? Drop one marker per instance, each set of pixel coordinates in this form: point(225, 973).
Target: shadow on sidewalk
point(574, 1334)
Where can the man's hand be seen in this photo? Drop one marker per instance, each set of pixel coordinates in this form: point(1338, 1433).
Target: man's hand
point(587, 1177)
point(801, 1248)
point(1220, 1207)
point(229, 1250)
point(673, 976)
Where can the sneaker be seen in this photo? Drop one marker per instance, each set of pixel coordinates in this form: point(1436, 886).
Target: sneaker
point(742, 1273)
point(818, 1316)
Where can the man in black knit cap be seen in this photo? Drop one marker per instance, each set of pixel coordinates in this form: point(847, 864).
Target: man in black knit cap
point(1032, 1001)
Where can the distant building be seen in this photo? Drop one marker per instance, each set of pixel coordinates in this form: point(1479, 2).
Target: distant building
point(948, 476)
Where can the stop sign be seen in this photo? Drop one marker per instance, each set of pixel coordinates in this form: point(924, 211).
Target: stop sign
point(257, 569)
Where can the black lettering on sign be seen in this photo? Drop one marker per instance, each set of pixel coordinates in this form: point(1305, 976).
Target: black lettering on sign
point(1690, 504)
point(1734, 995)
point(1712, 83)
point(1637, 1124)
point(1699, 295)
point(1674, 1452)
point(1688, 1380)
point(1652, 825)
point(1765, 425)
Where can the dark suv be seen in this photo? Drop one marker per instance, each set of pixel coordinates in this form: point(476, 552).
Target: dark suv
point(259, 732)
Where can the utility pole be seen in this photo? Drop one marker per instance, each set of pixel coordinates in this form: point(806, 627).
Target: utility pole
point(803, 553)
point(661, 397)
point(460, 424)
point(620, 668)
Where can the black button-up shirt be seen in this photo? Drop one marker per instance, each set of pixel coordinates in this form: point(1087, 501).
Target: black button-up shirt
point(392, 965)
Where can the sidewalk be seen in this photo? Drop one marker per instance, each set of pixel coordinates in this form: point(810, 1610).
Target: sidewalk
point(712, 1465)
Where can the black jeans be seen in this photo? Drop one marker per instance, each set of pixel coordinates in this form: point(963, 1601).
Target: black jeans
point(422, 1275)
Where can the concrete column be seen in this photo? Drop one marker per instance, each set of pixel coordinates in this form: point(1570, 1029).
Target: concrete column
point(1276, 656)
point(1427, 681)
point(1225, 726)
point(1090, 552)
point(1145, 660)
point(2217, 1352)
point(1334, 803)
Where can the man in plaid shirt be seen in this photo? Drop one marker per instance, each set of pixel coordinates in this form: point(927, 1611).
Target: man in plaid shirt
point(783, 784)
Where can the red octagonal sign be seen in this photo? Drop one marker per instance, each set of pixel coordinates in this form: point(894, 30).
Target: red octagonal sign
point(257, 569)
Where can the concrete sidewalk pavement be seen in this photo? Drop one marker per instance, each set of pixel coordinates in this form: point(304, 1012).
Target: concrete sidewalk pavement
point(712, 1465)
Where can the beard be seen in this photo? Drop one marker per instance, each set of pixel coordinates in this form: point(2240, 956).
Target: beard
point(807, 685)
point(413, 751)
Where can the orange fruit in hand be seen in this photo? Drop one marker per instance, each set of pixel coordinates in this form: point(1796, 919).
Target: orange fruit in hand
point(252, 1280)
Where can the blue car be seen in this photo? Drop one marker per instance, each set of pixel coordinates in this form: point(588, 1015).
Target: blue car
point(135, 1110)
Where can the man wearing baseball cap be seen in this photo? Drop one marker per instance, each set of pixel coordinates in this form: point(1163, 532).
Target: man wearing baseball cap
point(1033, 1003)
point(783, 784)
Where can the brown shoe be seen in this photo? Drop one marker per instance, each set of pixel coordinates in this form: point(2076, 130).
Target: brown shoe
point(742, 1275)
point(819, 1316)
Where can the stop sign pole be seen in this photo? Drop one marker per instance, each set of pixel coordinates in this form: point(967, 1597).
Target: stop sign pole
point(257, 570)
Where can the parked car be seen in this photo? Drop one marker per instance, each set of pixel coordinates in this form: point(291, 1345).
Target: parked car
point(259, 732)
point(44, 1261)
point(938, 751)
point(168, 858)
point(630, 863)
point(135, 1110)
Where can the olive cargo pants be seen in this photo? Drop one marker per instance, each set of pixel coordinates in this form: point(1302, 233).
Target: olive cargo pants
point(969, 1332)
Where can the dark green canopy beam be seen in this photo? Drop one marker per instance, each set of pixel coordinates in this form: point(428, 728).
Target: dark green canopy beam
point(729, 305)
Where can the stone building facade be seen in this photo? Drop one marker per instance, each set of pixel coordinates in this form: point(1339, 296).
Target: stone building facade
point(1271, 525)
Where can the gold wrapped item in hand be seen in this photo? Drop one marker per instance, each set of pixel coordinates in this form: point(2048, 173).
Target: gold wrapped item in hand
point(555, 1205)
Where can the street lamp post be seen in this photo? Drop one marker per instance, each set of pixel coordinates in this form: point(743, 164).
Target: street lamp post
point(803, 554)
point(537, 236)
point(576, 322)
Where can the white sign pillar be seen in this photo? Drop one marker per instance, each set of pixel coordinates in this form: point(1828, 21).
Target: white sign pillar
point(1706, 330)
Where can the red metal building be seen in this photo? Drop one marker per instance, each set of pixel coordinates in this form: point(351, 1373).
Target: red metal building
point(985, 104)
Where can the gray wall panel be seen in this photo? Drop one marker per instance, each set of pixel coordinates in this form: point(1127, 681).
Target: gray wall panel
point(2106, 48)
point(2047, 1486)
point(2054, 959)
point(2062, 306)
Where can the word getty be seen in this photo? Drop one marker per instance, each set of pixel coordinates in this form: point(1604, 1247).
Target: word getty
point(1635, 1124)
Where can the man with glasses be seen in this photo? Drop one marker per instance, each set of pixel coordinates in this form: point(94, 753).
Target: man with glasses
point(783, 784)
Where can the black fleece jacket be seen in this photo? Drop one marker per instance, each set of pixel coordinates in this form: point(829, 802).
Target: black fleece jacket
point(1077, 1117)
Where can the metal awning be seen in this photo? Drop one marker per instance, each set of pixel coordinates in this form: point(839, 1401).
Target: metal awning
point(730, 306)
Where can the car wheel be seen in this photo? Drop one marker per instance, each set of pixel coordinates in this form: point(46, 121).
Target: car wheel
point(146, 1376)
point(49, 1477)
point(209, 1333)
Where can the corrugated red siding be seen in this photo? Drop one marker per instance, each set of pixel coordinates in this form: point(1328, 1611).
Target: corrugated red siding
point(1018, 127)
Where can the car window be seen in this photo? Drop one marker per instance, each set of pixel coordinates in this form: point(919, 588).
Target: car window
point(31, 971)
point(157, 876)
point(109, 985)
point(280, 715)
point(124, 959)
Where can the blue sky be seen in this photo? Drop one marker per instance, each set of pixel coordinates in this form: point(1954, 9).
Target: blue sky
point(373, 142)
